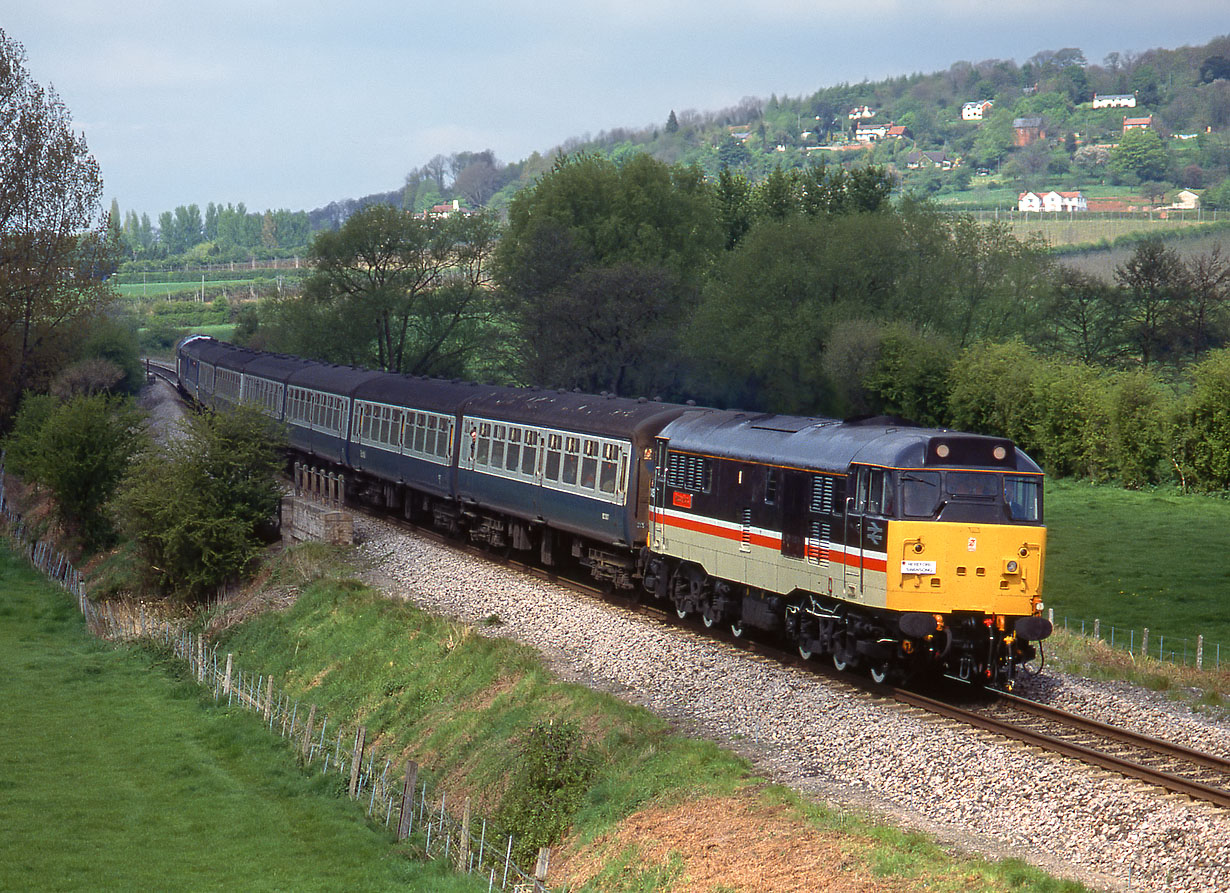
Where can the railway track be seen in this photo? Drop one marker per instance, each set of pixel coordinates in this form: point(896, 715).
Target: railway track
point(161, 370)
point(1165, 764)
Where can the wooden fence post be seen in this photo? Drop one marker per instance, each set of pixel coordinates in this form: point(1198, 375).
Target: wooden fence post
point(356, 759)
point(463, 845)
point(544, 863)
point(226, 680)
point(1144, 642)
point(268, 697)
point(1200, 652)
point(407, 800)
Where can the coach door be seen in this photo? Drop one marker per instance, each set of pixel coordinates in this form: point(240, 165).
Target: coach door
point(857, 484)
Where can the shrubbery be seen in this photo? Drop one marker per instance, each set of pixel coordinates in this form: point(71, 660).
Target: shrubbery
point(79, 449)
point(1080, 421)
point(196, 507)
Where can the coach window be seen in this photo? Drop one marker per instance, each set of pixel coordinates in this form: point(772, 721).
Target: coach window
point(554, 443)
point(484, 442)
point(589, 465)
point(572, 458)
point(861, 480)
point(880, 494)
point(444, 438)
point(529, 455)
point(1024, 496)
point(513, 457)
point(610, 465)
point(498, 434)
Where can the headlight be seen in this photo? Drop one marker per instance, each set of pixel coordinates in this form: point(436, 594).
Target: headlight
point(1011, 567)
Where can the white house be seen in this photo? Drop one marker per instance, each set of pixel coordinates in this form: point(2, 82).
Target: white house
point(1114, 100)
point(973, 111)
point(1051, 202)
point(869, 133)
point(1185, 200)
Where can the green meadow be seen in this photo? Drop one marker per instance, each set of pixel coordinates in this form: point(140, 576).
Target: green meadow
point(116, 774)
point(1134, 559)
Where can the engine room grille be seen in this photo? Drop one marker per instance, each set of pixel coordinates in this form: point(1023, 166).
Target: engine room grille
point(819, 544)
point(687, 472)
point(822, 494)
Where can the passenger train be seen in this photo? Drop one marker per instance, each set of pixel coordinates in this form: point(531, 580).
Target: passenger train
point(909, 551)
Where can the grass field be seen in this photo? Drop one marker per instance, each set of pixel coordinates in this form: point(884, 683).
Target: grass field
point(1137, 559)
point(115, 775)
point(179, 291)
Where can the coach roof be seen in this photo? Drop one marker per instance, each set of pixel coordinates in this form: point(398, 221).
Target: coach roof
point(608, 416)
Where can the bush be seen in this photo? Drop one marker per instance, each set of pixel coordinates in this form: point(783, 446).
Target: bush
point(80, 450)
point(991, 390)
point(1202, 434)
point(911, 376)
point(1141, 423)
point(196, 508)
point(547, 787)
point(1069, 419)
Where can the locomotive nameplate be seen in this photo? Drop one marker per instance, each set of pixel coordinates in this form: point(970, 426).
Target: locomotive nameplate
point(918, 567)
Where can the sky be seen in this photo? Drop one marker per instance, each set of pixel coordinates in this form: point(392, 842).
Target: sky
point(295, 105)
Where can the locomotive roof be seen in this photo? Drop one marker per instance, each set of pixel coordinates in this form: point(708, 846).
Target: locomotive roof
point(608, 415)
point(438, 395)
point(830, 444)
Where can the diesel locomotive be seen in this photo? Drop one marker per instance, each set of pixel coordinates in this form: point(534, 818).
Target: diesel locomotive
point(904, 550)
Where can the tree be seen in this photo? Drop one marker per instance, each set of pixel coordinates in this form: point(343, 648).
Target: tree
point(1140, 152)
point(1213, 68)
point(1084, 316)
point(395, 291)
point(1155, 284)
point(196, 507)
point(55, 248)
point(625, 244)
point(672, 123)
point(1206, 314)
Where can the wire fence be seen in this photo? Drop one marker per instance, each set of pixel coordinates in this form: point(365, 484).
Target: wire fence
point(1182, 650)
point(394, 792)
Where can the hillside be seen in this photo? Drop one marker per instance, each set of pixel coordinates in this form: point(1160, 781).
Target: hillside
point(972, 137)
point(1185, 91)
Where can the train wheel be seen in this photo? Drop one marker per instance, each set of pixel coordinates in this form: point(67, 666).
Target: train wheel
point(708, 619)
point(879, 673)
point(737, 630)
point(681, 613)
point(805, 652)
point(842, 661)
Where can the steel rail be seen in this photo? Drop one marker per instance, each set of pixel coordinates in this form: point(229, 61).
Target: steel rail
point(1197, 790)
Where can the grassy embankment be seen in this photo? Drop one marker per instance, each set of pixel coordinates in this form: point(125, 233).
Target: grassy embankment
point(653, 809)
point(1136, 559)
point(116, 774)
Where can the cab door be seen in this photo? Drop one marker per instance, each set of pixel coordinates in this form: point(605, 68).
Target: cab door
point(857, 485)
